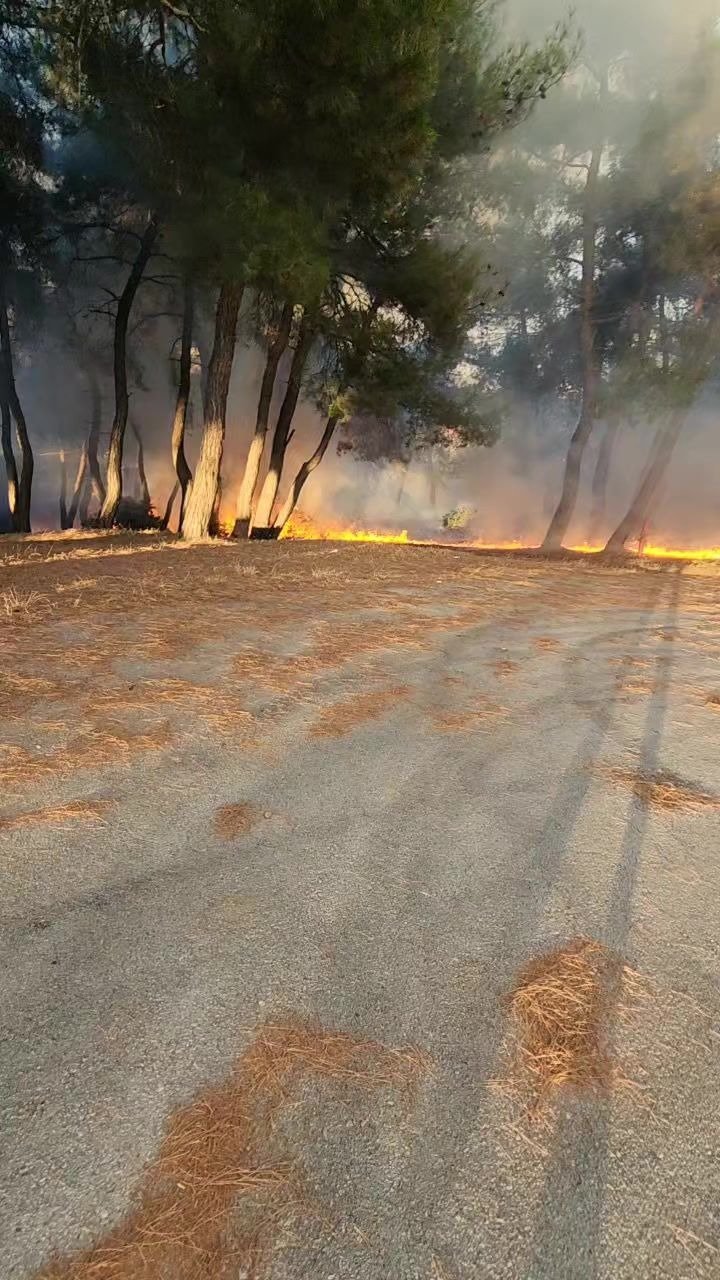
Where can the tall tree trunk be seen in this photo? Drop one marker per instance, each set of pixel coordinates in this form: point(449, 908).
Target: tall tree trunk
point(305, 471)
point(142, 475)
point(246, 494)
point(78, 488)
point(639, 509)
point(113, 494)
point(62, 503)
point(262, 519)
point(600, 481)
point(9, 393)
point(180, 462)
point(590, 373)
point(202, 497)
point(96, 481)
point(9, 459)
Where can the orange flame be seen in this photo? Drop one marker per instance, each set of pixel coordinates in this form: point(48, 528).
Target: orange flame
point(301, 528)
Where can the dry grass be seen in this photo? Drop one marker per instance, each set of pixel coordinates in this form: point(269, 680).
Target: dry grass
point(562, 1007)
point(212, 1200)
point(664, 791)
point(58, 816)
point(342, 717)
point(76, 584)
point(713, 700)
point(23, 606)
point(235, 820)
point(439, 1271)
point(547, 642)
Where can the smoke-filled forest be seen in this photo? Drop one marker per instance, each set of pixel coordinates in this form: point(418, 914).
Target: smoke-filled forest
point(451, 265)
point(360, 621)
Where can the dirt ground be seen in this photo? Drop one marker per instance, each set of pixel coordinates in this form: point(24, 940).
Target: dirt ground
point(361, 787)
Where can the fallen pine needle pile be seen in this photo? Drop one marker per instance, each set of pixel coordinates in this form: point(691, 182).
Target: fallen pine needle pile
point(562, 1009)
point(214, 1196)
point(58, 816)
point(235, 820)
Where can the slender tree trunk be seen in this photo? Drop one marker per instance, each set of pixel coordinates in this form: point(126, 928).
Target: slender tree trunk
point(84, 502)
point(180, 462)
point(405, 467)
point(113, 494)
point(142, 474)
point(276, 350)
point(432, 485)
point(169, 505)
point(63, 490)
point(202, 497)
point(78, 488)
point(96, 481)
point(262, 519)
point(590, 373)
point(305, 471)
point(639, 509)
point(600, 481)
point(9, 394)
point(9, 459)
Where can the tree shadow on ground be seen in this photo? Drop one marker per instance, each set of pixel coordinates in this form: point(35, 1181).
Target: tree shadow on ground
point(570, 1221)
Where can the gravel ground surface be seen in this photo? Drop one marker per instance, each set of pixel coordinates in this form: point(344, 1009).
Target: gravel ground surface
point(434, 752)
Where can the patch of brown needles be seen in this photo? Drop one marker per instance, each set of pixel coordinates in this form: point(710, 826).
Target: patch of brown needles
point(220, 710)
point(635, 687)
point(663, 790)
point(562, 1008)
point(235, 820)
point(547, 642)
point(342, 717)
point(713, 700)
point(213, 1198)
point(99, 748)
point(505, 667)
point(58, 816)
point(447, 720)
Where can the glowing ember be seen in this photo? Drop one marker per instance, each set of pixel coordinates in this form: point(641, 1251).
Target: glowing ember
point(301, 527)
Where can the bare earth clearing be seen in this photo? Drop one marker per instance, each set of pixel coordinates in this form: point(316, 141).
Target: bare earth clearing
point(293, 837)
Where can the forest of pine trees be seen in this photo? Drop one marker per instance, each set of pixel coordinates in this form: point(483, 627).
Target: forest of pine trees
point(373, 195)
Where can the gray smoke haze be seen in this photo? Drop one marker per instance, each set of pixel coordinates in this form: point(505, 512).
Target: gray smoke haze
point(511, 488)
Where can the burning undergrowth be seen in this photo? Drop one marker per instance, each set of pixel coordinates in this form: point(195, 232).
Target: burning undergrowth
point(562, 1009)
point(213, 1199)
